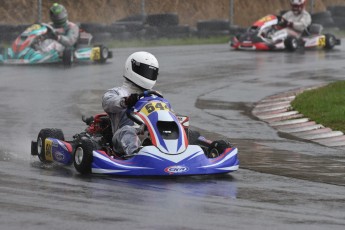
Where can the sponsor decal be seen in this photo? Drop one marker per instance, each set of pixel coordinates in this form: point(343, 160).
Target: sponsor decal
point(322, 41)
point(16, 61)
point(48, 150)
point(59, 156)
point(95, 54)
point(154, 106)
point(267, 19)
point(33, 27)
point(176, 169)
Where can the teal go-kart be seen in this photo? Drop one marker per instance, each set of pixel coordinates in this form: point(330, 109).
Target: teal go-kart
point(27, 49)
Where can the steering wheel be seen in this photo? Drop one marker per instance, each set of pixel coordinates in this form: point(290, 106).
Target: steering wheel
point(50, 31)
point(129, 111)
point(150, 92)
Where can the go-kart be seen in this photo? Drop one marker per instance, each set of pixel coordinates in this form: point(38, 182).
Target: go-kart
point(27, 48)
point(267, 34)
point(165, 149)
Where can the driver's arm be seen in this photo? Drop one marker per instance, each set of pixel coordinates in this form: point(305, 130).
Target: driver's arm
point(113, 101)
point(71, 38)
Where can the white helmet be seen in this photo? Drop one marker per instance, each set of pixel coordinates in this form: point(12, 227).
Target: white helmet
point(297, 6)
point(141, 68)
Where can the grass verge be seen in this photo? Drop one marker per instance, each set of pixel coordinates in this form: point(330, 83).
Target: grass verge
point(325, 105)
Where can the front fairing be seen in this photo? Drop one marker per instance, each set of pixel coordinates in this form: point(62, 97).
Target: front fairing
point(166, 132)
point(266, 22)
point(30, 36)
point(152, 162)
point(255, 38)
point(250, 36)
point(23, 49)
point(58, 151)
point(30, 56)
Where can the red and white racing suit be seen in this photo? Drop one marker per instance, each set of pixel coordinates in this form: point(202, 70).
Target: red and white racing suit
point(67, 37)
point(125, 139)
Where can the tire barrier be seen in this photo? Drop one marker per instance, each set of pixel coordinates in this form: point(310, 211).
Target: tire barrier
point(173, 31)
point(102, 37)
point(212, 25)
point(133, 18)
point(215, 27)
point(93, 28)
point(9, 33)
point(323, 18)
point(140, 27)
point(162, 20)
point(338, 15)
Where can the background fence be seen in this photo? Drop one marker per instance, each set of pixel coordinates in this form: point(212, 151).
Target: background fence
point(150, 19)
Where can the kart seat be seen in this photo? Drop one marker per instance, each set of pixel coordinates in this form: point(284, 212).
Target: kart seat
point(313, 29)
point(105, 125)
point(84, 39)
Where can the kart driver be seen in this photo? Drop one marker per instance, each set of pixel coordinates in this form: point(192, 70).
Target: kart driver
point(296, 20)
point(140, 74)
point(63, 32)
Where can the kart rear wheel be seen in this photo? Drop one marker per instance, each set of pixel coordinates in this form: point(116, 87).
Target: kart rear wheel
point(291, 43)
point(104, 54)
point(67, 57)
point(41, 141)
point(83, 156)
point(330, 41)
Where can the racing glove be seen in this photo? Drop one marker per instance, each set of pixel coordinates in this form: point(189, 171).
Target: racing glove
point(52, 33)
point(131, 100)
point(283, 22)
point(54, 36)
point(289, 24)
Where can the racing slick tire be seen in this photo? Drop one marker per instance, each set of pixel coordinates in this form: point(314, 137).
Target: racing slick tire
point(105, 54)
point(330, 41)
point(83, 156)
point(41, 141)
point(67, 57)
point(291, 43)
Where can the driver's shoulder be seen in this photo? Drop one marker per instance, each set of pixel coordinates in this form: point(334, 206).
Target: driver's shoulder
point(287, 14)
point(306, 13)
point(72, 25)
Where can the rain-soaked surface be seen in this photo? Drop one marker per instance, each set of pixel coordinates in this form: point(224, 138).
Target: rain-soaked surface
point(282, 183)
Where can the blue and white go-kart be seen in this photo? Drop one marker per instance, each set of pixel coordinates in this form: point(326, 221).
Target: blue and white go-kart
point(165, 149)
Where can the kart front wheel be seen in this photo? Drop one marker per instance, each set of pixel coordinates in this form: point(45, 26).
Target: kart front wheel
point(83, 156)
point(67, 57)
point(42, 149)
point(291, 43)
point(330, 41)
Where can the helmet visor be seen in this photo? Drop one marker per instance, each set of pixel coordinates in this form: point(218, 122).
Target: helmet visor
point(59, 22)
point(58, 14)
point(144, 70)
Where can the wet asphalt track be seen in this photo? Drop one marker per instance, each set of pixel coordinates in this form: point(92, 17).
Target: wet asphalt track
point(283, 183)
